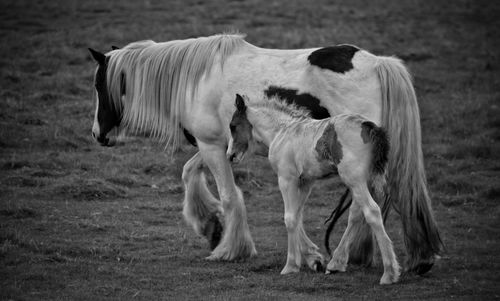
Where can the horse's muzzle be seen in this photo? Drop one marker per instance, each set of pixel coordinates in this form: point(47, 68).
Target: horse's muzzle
point(103, 141)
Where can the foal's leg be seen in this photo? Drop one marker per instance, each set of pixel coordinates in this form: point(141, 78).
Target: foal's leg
point(372, 214)
point(340, 256)
point(236, 242)
point(201, 208)
point(294, 196)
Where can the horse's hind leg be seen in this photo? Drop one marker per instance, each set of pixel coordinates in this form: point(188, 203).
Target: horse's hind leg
point(299, 245)
point(340, 256)
point(236, 241)
point(201, 208)
point(373, 216)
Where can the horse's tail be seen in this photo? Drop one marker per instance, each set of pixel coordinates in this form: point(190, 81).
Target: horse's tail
point(201, 208)
point(407, 185)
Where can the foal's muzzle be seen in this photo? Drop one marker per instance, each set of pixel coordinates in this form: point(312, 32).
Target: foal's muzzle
point(236, 157)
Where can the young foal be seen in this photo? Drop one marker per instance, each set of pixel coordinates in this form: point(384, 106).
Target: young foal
point(302, 150)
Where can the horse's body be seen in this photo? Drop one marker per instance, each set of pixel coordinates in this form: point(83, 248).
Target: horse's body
point(302, 150)
point(163, 87)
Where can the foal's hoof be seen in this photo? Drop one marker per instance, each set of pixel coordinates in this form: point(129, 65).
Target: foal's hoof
point(290, 270)
point(335, 266)
point(389, 278)
point(213, 231)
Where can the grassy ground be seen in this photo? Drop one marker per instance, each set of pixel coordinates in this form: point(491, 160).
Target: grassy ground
point(78, 221)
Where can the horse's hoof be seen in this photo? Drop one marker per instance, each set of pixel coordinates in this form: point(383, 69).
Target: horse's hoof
point(385, 281)
point(212, 258)
point(318, 266)
point(213, 231)
point(423, 268)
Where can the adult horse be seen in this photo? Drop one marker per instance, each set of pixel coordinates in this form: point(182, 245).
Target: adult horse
point(189, 85)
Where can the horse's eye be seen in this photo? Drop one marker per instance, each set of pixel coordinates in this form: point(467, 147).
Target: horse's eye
point(232, 127)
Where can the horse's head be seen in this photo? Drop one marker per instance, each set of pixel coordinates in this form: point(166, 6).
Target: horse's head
point(241, 132)
point(106, 115)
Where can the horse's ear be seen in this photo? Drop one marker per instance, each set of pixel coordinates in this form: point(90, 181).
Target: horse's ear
point(240, 104)
point(100, 58)
point(113, 47)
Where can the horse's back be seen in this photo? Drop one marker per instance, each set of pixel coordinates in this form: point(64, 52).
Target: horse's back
point(329, 81)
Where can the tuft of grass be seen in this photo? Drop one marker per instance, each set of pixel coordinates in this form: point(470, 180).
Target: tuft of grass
point(90, 190)
point(492, 193)
point(471, 149)
point(13, 165)
point(23, 181)
point(19, 213)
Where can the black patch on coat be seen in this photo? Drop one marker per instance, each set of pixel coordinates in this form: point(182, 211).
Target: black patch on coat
point(328, 146)
point(303, 100)
point(335, 58)
point(190, 138)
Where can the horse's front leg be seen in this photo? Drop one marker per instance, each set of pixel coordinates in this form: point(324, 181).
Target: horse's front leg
point(201, 208)
point(236, 242)
point(295, 194)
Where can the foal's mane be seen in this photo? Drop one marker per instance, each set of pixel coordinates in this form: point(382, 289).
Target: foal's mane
point(280, 106)
point(157, 78)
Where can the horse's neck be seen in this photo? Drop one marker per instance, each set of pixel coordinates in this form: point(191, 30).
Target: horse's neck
point(268, 123)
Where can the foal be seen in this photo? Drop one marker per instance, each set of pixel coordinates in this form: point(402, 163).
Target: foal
point(301, 150)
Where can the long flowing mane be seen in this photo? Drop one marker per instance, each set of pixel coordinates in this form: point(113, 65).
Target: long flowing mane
point(156, 79)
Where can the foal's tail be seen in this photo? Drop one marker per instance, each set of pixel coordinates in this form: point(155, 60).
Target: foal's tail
point(406, 175)
point(380, 145)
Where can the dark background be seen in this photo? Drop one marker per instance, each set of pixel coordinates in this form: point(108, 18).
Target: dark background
point(79, 221)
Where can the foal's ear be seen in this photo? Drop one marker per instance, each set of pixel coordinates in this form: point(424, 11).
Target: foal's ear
point(240, 104)
point(100, 58)
point(113, 47)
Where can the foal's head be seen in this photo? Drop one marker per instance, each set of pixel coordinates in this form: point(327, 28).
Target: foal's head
point(241, 132)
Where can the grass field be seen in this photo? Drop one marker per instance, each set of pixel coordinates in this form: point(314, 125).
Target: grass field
point(83, 222)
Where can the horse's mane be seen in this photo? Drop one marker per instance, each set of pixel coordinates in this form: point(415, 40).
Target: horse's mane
point(157, 78)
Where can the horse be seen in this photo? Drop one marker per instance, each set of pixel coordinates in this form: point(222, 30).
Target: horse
point(187, 87)
point(302, 150)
